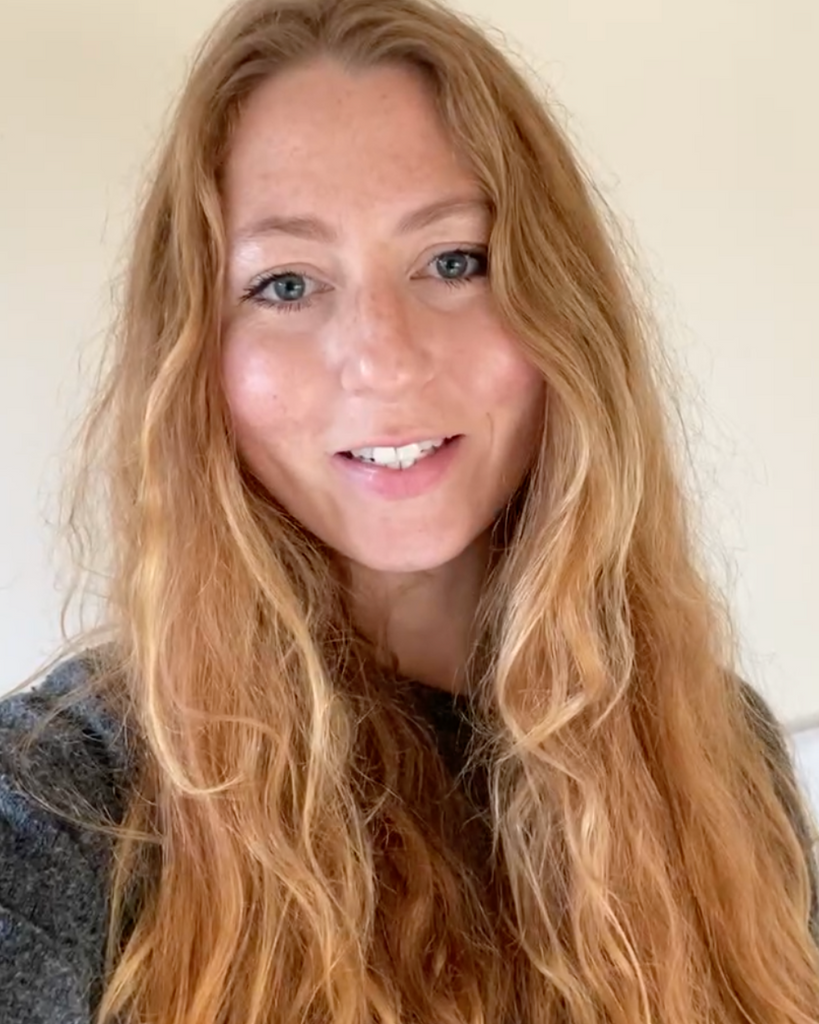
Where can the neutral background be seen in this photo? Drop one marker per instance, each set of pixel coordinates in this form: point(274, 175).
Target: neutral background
point(699, 120)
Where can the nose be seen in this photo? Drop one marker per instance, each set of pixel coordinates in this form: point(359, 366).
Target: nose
point(385, 351)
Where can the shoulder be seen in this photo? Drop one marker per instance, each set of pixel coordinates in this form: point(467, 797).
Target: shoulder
point(762, 717)
point(63, 738)
point(63, 761)
point(780, 761)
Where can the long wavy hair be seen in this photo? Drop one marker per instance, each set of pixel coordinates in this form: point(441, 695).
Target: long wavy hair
point(293, 848)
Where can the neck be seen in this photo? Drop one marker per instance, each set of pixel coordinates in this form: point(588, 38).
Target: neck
point(424, 619)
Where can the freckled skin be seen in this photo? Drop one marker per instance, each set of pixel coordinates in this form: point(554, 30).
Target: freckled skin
point(386, 345)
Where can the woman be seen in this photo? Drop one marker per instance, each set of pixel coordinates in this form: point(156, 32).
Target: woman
point(414, 702)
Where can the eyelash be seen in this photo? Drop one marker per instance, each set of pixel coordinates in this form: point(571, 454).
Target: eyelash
point(254, 291)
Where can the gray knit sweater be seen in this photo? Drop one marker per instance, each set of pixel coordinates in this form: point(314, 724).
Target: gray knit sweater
point(53, 875)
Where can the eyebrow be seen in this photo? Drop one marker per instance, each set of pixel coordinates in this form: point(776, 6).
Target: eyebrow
point(314, 229)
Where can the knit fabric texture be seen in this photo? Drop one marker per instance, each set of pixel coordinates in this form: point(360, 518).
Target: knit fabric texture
point(53, 874)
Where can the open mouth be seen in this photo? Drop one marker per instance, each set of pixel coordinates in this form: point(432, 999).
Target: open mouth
point(408, 472)
point(398, 458)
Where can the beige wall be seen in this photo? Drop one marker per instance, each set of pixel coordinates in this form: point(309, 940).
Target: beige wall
point(700, 120)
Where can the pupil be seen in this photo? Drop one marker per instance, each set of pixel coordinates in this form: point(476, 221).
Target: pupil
point(293, 286)
point(457, 258)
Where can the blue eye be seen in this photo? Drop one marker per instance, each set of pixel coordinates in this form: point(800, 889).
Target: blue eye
point(462, 258)
point(285, 290)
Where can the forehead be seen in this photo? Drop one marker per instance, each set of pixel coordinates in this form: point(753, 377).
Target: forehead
point(318, 135)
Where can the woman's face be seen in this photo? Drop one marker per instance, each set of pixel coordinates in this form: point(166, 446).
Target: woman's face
point(353, 320)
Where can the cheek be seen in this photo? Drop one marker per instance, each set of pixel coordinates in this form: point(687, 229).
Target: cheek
point(260, 394)
point(508, 385)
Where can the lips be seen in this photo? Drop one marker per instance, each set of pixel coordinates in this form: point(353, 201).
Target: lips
point(381, 443)
point(384, 482)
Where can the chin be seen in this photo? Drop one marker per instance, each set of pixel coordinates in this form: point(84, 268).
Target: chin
point(422, 555)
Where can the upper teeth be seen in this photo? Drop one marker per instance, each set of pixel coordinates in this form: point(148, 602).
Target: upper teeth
point(404, 456)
